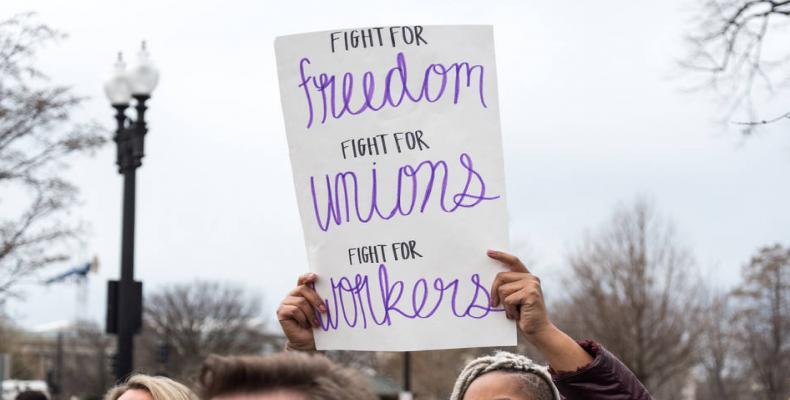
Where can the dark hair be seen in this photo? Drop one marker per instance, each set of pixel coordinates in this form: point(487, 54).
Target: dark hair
point(31, 395)
point(312, 375)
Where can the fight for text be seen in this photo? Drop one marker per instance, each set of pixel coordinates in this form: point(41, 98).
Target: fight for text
point(377, 37)
point(377, 253)
point(377, 145)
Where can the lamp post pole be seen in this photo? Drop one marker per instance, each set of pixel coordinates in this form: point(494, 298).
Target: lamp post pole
point(125, 296)
point(128, 318)
point(406, 393)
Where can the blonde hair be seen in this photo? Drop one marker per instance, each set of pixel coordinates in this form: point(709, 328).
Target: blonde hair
point(160, 388)
point(534, 378)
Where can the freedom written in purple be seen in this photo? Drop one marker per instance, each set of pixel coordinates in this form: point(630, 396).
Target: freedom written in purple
point(328, 96)
point(353, 305)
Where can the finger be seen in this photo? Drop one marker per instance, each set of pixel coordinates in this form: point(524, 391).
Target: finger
point(294, 313)
point(309, 277)
point(305, 307)
point(308, 293)
point(311, 296)
point(309, 311)
point(500, 279)
point(509, 288)
point(288, 312)
point(516, 298)
point(511, 311)
point(513, 301)
point(511, 261)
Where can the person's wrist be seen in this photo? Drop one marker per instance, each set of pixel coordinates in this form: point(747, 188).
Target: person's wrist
point(560, 350)
point(290, 346)
point(542, 336)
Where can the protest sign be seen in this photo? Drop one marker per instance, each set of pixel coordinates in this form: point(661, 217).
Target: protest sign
point(395, 145)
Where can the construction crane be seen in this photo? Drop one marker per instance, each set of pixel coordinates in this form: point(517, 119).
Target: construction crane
point(79, 276)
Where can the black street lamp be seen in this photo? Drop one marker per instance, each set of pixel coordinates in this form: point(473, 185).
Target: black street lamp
point(125, 296)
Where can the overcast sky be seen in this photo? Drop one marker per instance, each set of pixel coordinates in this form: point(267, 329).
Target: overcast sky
point(591, 117)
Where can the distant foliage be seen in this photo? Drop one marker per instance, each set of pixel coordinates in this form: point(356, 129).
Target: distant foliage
point(633, 289)
point(186, 322)
point(762, 316)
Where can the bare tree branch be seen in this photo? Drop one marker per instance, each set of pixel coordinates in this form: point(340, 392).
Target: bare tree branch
point(633, 289)
point(37, 137)
point(763, 320)
point(200, 318)
point(728, 51)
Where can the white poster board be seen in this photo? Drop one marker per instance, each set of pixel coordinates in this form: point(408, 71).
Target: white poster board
point(396, 150)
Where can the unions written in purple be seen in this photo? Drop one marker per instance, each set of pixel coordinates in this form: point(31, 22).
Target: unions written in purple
point(352, 303)
point(330, 96)
point(346, 199)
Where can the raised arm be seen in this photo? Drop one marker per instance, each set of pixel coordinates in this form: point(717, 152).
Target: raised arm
point(581, 370)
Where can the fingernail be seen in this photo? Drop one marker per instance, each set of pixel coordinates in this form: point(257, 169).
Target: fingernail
point(316, 322)
point(322, 308)
point(490, 252)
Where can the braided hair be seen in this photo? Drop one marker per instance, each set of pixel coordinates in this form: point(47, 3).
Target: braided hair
point(535, 378)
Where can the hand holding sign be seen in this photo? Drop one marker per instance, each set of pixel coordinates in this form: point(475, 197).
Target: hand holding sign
point(297, 314)
point(520, 292)
point(517, 290)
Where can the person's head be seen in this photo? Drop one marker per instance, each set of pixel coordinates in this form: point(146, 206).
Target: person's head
point(31, 395)
point(283, 376)
point(144, 387)
point(504, 376)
